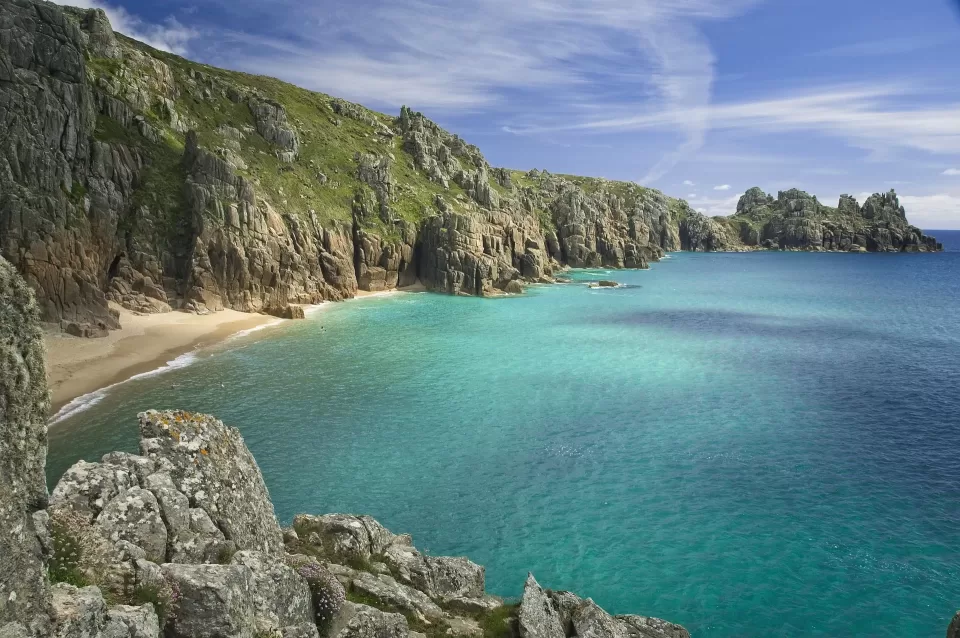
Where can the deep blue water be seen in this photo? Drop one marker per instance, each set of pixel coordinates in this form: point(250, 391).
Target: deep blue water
point(949, 238)
point(752, 445)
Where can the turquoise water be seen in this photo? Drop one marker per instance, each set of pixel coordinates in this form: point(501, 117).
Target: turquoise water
point(751, 445)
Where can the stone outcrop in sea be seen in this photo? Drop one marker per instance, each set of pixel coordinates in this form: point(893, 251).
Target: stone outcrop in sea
point(796, 220)
point(181, 541)
point(139, 178)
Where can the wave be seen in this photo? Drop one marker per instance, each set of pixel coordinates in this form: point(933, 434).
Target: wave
point(87, 401)
point(244, 333)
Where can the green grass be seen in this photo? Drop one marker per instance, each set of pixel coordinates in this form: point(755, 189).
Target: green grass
point(498, 623)
point(113, 132)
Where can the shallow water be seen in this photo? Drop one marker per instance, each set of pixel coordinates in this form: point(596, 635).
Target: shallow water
point(751, 445)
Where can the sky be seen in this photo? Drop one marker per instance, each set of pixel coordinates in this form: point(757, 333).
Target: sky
point(701, 99)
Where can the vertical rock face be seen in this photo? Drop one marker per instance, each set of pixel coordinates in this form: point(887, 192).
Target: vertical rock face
point(50, 222)
point(23, 447)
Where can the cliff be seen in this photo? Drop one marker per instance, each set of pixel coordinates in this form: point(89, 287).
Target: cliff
point(132, 176)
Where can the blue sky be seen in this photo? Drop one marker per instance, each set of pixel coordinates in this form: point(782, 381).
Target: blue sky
point(699, 98)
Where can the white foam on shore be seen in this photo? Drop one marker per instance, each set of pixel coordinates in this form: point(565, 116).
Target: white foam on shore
point(380, 293)
point(248, 331)
point(87, 401)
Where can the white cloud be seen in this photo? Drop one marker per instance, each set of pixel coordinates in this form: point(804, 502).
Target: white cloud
point(170, 35)
point(940, 211)
point(713, 207)
point(692, 196)
point(687, 182)
point(952, 171)
point(722, 187)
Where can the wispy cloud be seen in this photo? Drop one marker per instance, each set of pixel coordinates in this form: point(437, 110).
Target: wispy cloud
point(168, 35)
point(687, 182)
point(887, 46)
point(722, 187)
point(952, 171)
point(869, 116)
point(438, 56)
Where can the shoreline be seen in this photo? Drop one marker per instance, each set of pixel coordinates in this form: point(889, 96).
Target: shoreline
point(81, 371)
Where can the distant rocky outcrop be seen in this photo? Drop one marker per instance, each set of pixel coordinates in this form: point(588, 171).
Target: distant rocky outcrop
point(796, 220)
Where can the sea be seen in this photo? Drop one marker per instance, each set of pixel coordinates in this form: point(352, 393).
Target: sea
point(761, 444)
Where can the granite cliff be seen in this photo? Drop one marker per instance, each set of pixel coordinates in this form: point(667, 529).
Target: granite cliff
point(135, 177)
point(181, 541)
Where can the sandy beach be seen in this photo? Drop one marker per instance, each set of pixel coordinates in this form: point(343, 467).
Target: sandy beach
point(77, 366)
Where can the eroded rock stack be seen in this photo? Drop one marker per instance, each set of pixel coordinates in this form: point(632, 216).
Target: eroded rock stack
point(796, 220)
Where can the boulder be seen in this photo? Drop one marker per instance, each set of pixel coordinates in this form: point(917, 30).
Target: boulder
point(590, 621)
point(538, 617)
point(281, 597)
point(131, 622)
point(212, 466)
point(78, 613)
point(392, 594)
point(361, 621)
point(215, 601)
point(546, 614)
point(134, 516)
point(644, 627)
point(343, 536)
point(953, 631)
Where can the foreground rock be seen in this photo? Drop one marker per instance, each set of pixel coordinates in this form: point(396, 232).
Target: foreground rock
point(23, 449)
point(547, 614)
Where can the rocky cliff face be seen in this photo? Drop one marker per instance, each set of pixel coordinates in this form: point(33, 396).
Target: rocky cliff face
point(134, 177)
point(796, 220)
point(23, 449)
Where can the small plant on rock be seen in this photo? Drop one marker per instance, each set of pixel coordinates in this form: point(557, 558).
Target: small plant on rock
point(164, 596)
point(327, 592)
point(65, 564)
